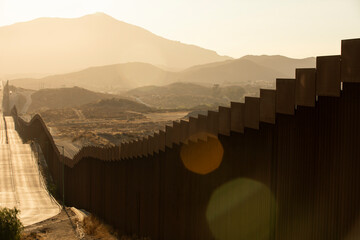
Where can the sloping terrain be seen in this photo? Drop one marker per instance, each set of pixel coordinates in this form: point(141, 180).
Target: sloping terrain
point(123, 77)
point(187, 95)
point(284, 65)
point(112, 108)
point(21, 184)
point(63, 98)
point(230, 72)
point(20, 97)
point(103, 122)
point(58, 45)
point(111, 78)
point(77, 117)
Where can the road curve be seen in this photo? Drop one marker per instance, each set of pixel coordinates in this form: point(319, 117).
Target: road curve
point(21, 185)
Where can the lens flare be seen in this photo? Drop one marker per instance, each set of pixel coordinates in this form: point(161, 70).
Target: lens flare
point(240, 209)
point(202, 157)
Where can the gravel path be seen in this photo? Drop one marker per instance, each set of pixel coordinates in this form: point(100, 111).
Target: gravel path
point(21, 184)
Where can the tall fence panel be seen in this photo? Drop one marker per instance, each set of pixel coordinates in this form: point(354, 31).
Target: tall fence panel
point(292, 176)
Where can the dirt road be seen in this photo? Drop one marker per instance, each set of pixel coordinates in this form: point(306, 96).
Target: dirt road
point(21, 185)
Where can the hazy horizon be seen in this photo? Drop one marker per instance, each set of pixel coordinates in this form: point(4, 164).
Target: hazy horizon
point(231, 28)
point(47, 46)
point(103, 13)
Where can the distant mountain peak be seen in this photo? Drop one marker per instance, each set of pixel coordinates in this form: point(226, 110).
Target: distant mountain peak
point(272, 57)
point(58, 45)
point(98, 15)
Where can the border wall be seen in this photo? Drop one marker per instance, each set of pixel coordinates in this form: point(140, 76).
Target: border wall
point(5, 100)
point(290, 166)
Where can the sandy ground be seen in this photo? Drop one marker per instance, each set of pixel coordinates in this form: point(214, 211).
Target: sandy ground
point(21, 185)
point(64, 226)
point(73, 134)
point(166, 116)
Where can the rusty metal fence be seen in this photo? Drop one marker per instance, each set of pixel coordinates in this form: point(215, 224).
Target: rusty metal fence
point(289, 169)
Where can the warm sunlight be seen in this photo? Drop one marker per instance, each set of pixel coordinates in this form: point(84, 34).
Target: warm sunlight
point(174, 120)
point(230, 27)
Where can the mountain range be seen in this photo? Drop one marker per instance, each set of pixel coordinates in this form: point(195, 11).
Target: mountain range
point(100, 53)
point(59, 45)
point(119, 78)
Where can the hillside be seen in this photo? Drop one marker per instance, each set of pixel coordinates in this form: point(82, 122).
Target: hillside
point(186, 95)
point(282, 65)
point(122, 77)
point(178, 88)
point(113, 108)
point(229, 72)
point(63, 98)
point(286, 66)
point(111, 78)
point(58, 45)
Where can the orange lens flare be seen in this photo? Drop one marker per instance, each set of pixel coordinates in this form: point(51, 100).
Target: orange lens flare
point(202, 157)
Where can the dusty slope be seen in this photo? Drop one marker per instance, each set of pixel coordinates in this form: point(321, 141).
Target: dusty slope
point(63, 98)
point(286, 66)
point(122, 77)
point(230, 72)
point(54, 45)
point(20, 182)
point(187, 95)
point(110, 78)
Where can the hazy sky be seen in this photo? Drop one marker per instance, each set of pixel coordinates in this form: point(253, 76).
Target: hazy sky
point(295, 28)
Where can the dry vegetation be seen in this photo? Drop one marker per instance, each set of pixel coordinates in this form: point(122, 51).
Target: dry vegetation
point(78, 117)
point(107, 131)
point(66, 226)
point(105, 123)
point(82, 117)
point(63, 98)
point(97, 229)
point(33, 236)
point(62, 226)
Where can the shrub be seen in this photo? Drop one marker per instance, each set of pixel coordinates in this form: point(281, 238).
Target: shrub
point(94, 227)
point(52, 189)
point(10, 225)
point(99, 230)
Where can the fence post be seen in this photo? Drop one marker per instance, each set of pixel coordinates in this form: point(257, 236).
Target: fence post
point(305, 89)
point(224, 120)
point(267, 105)
point(328, 76)
point(237, 117)
point(285, 96)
